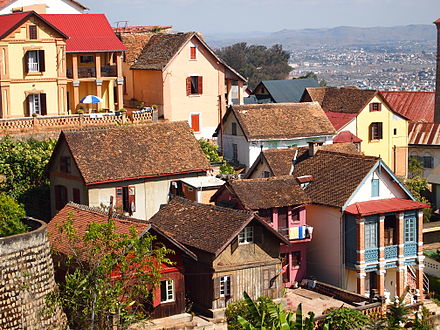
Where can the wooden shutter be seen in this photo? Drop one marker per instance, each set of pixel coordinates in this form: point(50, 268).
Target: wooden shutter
point(195, 122)
point(26, 63)
point(156, 295)
point(234, 244)
point(118, 199)
point(132, 199)
point(188, 85)
point(379, 129)
point(43, 104)
point(199, 85)
point(258, 234)
point(76, 196)
point(27, 109)
point(232, 288)
point(41, 60)
point(216, 287)
point(193, 53)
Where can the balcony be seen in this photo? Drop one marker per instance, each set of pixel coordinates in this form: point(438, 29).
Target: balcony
point(371, 255)
point(410, 249)
point(297, 233)
point(391, 252)
point(83, 73)
point(109, 71)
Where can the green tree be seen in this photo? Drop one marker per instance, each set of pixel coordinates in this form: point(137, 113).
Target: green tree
point(257, 62)
point(313, 75)
point(211, 152)
point(108, 273)
point(398, 313)
point(346, 318)
point(11, 216)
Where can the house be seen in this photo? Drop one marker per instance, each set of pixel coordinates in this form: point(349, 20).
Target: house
point(168, 297)
point(134, 164)
point(278, 162)
point(367, 233)
point(42, 7)
point(247, 129)
point(281, 201)
point(182, 76)
point(236, 251)
point(416, 106)
point(280, 91)
point(51, 61)
point(366, 114)
point(200, 189)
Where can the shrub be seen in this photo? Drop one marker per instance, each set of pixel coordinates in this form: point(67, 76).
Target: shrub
point(346, 318)
point(11, 215)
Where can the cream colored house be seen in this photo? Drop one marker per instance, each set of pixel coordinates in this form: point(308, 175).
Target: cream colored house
point(42, 6)
point(137, 166)
point(179, 73)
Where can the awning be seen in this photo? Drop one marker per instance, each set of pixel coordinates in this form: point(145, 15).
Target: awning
point(381, 206)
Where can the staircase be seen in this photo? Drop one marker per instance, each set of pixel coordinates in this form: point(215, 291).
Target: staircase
point(412, 279)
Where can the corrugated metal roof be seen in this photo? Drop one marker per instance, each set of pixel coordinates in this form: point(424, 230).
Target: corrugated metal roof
point(290, 90)
point(424, 133)
point(381, 206)
point(340, 119)
point(87, 32)
point(416, 106)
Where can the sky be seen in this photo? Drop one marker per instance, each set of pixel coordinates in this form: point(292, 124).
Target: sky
point(232, 16)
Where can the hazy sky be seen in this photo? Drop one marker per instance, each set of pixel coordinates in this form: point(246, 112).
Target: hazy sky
point(223, 16)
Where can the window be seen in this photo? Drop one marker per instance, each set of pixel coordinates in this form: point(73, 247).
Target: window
point(375, 106)
point(166, 291)
point(195, 122)
point(234, 128)
point(265, 174)
point(33, 32)
point(193, 52)
point(296, 258)
point(86, 59)
point(76, 196)
point(194, 85)
point(225, 286)
point(35, 61)
point(246, 236)
point(36, 104)
point(371, 235)
point(410, 230)
point(395, 131)
point(65, 164)
point(375, 188)
point(375, 131)
point(125, 199)
point(60, 197)
point(428, 162)
point(234, 152)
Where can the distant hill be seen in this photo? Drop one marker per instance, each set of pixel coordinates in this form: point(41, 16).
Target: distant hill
point(342, 36)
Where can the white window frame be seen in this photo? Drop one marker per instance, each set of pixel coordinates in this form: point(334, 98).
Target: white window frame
point(33, 62)
point(225, 286)
point(410, 230)
point(246, 236)
point(169, 289)
point(35, 104)
point(371, 235)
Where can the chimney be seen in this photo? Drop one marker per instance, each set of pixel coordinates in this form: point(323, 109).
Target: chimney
point(313, 147)
point(437, 79)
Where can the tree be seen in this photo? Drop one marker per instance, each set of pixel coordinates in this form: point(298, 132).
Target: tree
point(211, 152)
point(346, 318)
point(11, 215)
point(398, 313)
point(257, 62)
point(107, 273)
point(313, 75)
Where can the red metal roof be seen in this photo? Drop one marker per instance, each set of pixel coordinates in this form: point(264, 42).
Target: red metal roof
point(7, 22)
point(416, 106)
point(381, 206)
point(437, 21)
point(424, 133)
point(346, 136)
point(340, 119)
point(87, 32)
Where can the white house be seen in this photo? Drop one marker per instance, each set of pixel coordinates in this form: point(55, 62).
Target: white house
point(42, 6)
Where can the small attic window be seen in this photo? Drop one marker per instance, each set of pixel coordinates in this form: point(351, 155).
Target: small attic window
point(33, 32)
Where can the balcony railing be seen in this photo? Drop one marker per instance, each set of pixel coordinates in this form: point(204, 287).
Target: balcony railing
point(83, 73)
point(391, 252)
point(109, 71)
point(372, 255)
point(410, 249)
point(296, 233)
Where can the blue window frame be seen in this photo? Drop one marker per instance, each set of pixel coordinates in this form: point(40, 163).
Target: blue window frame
point(375, 188)
point(410, 230)
point(371, 237)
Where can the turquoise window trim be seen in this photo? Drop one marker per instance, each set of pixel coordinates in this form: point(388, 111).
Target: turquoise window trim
point(375, 188)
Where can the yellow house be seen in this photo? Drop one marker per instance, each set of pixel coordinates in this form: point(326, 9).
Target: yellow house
point(365, 113)
point(49, 62)
point(179, 73)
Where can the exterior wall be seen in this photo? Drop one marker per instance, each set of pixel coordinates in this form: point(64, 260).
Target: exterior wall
point(325, 255)
point(178, 105)
point(432, 174)
point(384, 147)
point(351, 126)
point(16, 85)
point(145, 86)
point(51, 7)
point(26, 271)
point(258, 170)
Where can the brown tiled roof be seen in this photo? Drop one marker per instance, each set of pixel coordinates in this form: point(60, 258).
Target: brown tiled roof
point(129, 152)
point(160, 49)
point(282, 120)
point(264, 193)
point(134, 43)
point(280, 160)
point(141, 29)
point(340, 99)
point(83, 215)
point(336, 175)
point(205, 227)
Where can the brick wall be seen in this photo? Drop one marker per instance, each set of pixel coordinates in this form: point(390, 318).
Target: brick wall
point(26, 279)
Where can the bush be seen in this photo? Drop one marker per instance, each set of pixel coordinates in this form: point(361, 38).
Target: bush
point(211, 152)
point(346, 318)
point(11, 215)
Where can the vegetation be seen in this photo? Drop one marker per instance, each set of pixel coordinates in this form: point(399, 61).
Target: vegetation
point(313, 75)
point(11, 215)
point(346, 318)
point(109, 275)
point(257, 62)
point(211, 152)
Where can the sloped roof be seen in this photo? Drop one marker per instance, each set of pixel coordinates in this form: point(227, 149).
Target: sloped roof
point(132, 152)
point(437, 21)
point(205, 227)
point(4, 3)
point(340, 99)
point(264, 193)
point(87, 32)
point(416, 106)
point(381, 206)
point(289, 90)
point(135, 43)
point(424, 133)
point(340, 119)
point(141, 28)
point(82, 216)
point(346, 136)
point(282, 120)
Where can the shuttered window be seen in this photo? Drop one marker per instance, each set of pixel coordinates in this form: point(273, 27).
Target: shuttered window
point(126, 199)
point(225, 286)
point(33, 32)
point(194, 85)
point(375, 106)
point(193, 52)
point(376, 131)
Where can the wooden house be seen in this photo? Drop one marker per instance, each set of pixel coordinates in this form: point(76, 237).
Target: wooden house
point(169, 296)
point(236, 251)
point(281, 201)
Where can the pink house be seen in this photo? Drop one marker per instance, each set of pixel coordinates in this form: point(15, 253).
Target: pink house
point(281, 201)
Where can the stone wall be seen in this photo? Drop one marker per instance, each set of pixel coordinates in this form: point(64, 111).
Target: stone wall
point(26, 279)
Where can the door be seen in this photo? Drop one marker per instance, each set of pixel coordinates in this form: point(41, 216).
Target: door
point(35, 104)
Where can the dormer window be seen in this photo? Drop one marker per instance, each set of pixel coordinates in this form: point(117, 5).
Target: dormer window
point(304, 180)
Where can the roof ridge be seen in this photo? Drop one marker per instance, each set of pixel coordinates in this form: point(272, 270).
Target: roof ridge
point(108, 128)
point(212, 207)
point(272, 178)
point(348, 155)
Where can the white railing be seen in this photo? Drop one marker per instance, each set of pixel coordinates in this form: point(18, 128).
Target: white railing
point(33, 67)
